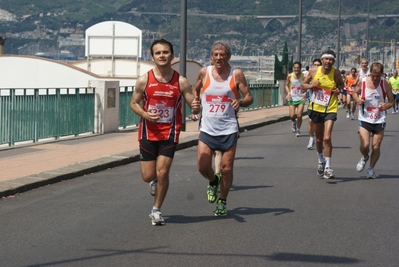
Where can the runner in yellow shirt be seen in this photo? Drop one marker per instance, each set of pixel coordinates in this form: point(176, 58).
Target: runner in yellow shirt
point(326, 83)
point(394, 81)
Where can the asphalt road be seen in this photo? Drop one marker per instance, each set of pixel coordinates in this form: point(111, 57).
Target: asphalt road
point(280, 213)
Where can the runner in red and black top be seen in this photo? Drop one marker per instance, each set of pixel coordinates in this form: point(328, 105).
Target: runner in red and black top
point(161, 91)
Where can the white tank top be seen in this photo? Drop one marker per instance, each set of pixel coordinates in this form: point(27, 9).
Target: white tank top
point(218, 115)
point(370, 111)
point(296, 87)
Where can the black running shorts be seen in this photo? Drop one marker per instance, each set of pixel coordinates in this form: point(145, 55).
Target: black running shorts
point(150, 150)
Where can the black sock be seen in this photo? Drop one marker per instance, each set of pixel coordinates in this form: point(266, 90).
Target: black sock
point(215, 181)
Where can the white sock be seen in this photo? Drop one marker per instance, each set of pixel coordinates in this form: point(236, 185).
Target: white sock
point(328, 162)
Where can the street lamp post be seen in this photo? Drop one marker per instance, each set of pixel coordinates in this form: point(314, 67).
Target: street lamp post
point(368, 28)
point(339, 34)
point(299, 32)
point(183, 46)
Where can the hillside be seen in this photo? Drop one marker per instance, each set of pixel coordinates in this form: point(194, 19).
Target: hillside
point(246, 34)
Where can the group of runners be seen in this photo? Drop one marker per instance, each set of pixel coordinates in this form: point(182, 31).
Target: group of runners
point(215, 98)
point(368, 90)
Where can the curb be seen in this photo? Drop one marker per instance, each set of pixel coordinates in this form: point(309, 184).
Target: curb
point(24, 184)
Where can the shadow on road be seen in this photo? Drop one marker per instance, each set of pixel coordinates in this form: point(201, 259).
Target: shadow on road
point(297, 257)
point(235, 214)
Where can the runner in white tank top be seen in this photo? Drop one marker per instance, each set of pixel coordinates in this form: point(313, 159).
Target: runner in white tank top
point(370, 95)
point(219, 87)
point(219, 116)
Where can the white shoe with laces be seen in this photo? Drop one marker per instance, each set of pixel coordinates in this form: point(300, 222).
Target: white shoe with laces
point(328, 173)
point(362, 162)
point(153, 187)
point(371, 174)
point(156, 218)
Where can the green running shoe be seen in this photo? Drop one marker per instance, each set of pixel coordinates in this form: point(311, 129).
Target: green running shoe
point(221, 208)
point(212, 190)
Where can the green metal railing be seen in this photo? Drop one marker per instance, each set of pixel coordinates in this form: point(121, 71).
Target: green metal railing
point(34, 114)
point(126, 116)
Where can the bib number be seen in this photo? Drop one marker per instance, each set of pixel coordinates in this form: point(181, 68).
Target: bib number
point(217, 105)
point(321, 96)
point(163, 108)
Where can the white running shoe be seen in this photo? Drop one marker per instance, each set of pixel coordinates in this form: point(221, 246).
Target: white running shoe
point(320, 169)
point(362, 163)
point(393, 111)
point(352, 117)
point(156, 218)
point(153, 187)
point(328, 173)
point(298, 133)
point(371, 174)
point(347, 115)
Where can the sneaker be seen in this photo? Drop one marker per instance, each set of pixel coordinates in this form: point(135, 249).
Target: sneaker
point(393, 111)
point(298, 133)
point(362, 163)
point(310, 144)
point(352, 117)
point(371, 174)
point(320, 169)
point(153, 187)
point(348, 115)
point(328, 173)
point(293, 127)
point(221, 208)
point(212, 190)
point(156, 218)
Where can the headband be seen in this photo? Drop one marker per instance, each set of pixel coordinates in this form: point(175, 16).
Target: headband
point(327, 55)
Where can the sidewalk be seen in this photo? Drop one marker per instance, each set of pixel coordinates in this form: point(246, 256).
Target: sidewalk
point(27, 167)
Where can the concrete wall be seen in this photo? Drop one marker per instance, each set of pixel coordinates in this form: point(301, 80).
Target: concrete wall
point(118, 68)
point(21, 71)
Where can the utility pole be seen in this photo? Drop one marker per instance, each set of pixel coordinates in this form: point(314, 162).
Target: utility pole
point(383, 36)
point(339, 36)
point(183, 46)
point(366, 54)
point(299, 32)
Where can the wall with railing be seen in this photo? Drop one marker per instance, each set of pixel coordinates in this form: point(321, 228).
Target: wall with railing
point(30, 115)
point(34, 114)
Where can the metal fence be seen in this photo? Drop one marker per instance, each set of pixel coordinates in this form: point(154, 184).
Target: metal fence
point(35, 114)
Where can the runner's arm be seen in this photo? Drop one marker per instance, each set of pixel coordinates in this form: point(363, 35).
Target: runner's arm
point(242, 86)
point(188, 95)
point(136, 99)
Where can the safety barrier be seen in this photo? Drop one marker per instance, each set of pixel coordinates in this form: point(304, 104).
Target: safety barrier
point(36, 114)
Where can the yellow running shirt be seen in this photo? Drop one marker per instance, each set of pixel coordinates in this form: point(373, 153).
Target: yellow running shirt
point(323, 99)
